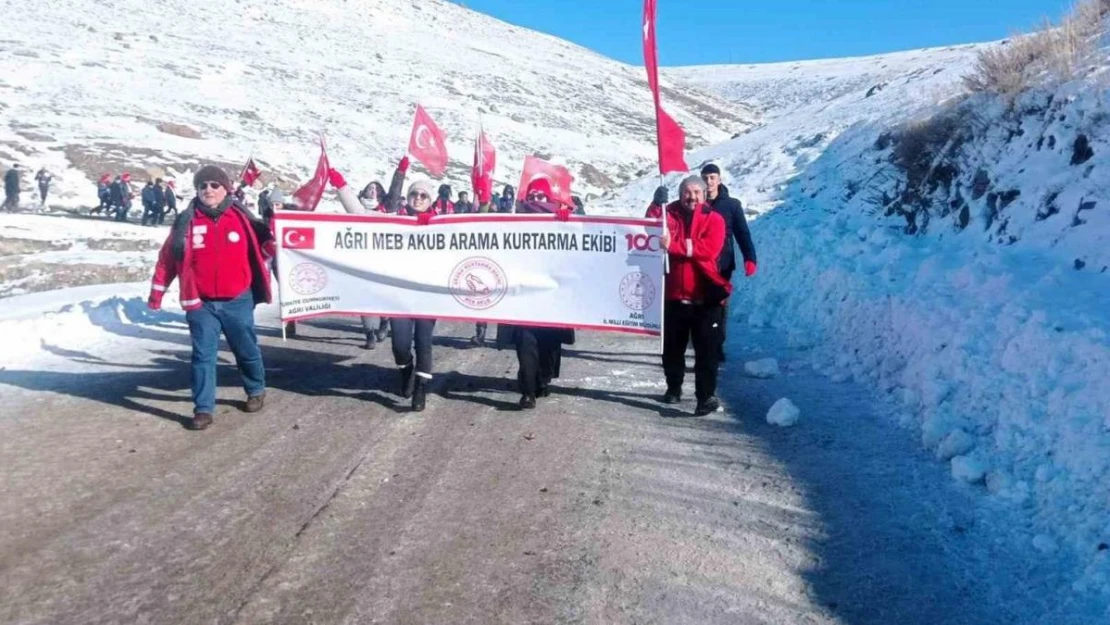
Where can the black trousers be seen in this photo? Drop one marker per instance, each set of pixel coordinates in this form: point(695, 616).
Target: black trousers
point(539, 352)
point(410, 335)
point(704, 325)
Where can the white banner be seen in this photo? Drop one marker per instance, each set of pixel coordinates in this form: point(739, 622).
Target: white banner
point(593, 273)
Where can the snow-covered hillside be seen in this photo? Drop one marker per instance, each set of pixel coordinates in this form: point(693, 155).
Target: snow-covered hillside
point(88, 87)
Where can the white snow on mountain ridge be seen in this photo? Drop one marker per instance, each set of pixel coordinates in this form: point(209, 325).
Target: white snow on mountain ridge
point(89, 87)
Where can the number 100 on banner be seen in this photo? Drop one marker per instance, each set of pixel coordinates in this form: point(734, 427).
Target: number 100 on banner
point(592, 273)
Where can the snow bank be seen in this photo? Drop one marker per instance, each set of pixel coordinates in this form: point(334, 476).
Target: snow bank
point(996, 345)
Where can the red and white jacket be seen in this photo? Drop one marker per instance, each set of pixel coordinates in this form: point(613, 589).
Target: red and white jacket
point(214, 259)
point(695, 276)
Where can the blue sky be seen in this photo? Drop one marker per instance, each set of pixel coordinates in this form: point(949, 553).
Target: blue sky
point(740, 31)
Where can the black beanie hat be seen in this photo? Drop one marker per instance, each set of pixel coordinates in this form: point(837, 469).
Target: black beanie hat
point(710, 169)
point(660, 198)
point(211, 173)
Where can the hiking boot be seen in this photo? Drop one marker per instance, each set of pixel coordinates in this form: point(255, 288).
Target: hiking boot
point(255, 404)
point(527, 402)
point(707, 407)
point(371, 341)
point(545, 391)
point(479, 339)
point(672, 396)
point(200, 421)
point(291, 329)
point(419, 395)
point(408, 381)
point(383, 330)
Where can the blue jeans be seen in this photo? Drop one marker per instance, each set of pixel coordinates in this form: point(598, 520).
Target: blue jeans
point(235, 318)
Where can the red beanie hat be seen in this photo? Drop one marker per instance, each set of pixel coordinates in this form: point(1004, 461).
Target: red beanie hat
point(540, 185)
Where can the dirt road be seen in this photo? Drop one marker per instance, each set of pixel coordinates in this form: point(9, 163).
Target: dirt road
point(336, 505)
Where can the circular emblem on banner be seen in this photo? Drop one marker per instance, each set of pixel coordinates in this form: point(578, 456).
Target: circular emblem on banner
point(308, 278)
point(478, 283)
point(637, 291)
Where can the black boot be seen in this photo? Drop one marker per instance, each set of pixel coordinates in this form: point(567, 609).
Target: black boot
point(419, 394)
point(408, 380)
point(371, 341)
point(707, 407)
point(479, 335)
point(291, 329)
point(383, 330)
point(673, 395)
point(527, 402)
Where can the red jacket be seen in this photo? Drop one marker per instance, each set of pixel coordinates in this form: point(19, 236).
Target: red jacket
point(654, 211)
point(214, 259)
point(444, 207)
point(694, 275)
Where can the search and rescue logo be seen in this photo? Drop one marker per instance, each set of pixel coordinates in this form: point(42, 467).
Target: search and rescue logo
point(478, 283)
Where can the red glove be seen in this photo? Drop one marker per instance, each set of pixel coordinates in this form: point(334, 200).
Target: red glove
point(404, 164)
point(336, 179)
point(269, 249)
point(563, 214)
point(424, 218)
point(155, 300)
point(749, 268)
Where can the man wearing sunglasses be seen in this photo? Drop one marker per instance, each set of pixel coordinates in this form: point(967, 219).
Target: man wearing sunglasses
point(218, 252)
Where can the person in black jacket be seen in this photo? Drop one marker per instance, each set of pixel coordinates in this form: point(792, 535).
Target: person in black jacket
point(736, 229)
point(464, 205)
point(11, 188)
point(171, 203)
point(508, 198)
point(159, 213)
point(539, 350)
point(147, 196)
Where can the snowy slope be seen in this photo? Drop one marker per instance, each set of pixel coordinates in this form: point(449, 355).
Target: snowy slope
point(978, 299)
point(805, 106)
point(88, 87)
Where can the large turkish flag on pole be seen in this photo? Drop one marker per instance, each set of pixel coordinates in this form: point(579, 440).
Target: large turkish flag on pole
point(427, 143)
point(557, 175)
point(671, 138)
point(485, 161)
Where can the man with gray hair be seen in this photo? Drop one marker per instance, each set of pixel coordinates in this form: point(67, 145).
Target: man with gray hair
point(694, 294)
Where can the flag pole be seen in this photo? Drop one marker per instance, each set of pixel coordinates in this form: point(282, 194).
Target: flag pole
point(666, 270)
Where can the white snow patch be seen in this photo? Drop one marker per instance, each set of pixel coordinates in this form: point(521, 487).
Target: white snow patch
point(969, 469)
point(784, 413)
point(765, 368)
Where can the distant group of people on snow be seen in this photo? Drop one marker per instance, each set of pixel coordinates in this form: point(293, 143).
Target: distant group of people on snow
point(158, 198)
point(13, 183)
point(221, 255)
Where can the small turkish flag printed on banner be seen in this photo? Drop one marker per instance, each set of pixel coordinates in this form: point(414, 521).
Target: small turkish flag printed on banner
point(250, 173)
point(557, 175)
point(670, 136)
point(308, 196)
point(427, 143)
point(299, 238)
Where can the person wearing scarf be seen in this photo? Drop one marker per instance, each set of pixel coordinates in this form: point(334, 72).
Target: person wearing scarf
point(218, 252)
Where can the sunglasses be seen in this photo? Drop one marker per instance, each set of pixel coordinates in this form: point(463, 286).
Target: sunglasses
point(537, 197)
point(209, 185)
point(420, 196)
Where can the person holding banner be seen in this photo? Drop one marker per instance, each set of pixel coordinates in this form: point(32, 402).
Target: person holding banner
point(373, 198)
point(539, 350)
point(695, 293)
point(219, 254)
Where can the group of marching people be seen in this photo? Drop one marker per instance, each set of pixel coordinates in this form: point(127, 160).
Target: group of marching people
point(220, 254)
point(158, 197)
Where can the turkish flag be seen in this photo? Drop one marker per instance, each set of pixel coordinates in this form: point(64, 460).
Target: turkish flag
point(250, 173)
point(427, 143)
point(485, 161)
point(299, 238)
point(308, 196)
point(557, 175)
point(671, 138)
